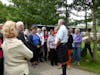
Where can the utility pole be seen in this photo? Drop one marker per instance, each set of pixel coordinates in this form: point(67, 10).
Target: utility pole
point(86, 18)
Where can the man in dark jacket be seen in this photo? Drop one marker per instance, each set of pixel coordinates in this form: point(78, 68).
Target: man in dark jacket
point(20, 29)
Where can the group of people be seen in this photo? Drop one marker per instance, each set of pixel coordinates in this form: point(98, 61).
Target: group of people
point(19, 46)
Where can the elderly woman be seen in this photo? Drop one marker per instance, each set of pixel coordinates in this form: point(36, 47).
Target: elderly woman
point(16, 54)
point(77, 40)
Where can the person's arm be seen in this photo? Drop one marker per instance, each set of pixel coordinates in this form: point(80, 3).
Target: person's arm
point(42, 41)
point(0, 43)
point(48, 44)
point(28, 54)
point(59, 37)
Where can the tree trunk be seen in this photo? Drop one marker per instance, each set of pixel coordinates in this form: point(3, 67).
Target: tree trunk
point(67, 14)
point(86, 19)
point(94, 32)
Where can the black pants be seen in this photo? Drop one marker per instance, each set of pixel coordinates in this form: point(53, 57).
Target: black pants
point(53, 56)
point(45, 51)
point(64, 69)
point(62, 53)
point(36, 55)
point(40, 54)
point(87, 46)
point(1, 66)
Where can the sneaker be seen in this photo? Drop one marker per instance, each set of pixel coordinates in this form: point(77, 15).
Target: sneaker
point(78, 63)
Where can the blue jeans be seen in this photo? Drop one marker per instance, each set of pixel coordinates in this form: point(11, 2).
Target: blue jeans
point(77, 54)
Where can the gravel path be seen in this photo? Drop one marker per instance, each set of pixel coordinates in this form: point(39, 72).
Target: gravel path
point(46, 69)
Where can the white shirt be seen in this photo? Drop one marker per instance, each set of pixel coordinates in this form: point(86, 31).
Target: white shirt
point(62, 34)
point(51, 42)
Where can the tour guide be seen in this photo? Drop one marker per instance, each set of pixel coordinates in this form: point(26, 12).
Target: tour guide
point(61, 45)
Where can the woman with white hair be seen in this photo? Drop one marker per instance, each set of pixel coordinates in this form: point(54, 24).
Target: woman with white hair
point(16, 54)
point(77, 40)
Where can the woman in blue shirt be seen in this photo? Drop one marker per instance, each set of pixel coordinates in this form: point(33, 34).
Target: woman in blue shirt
point(36, 45)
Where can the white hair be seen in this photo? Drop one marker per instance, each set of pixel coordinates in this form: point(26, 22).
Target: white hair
point(19, 23)
point(43, 28)
point(61, 20)
point(77, 29)
point(38, 29)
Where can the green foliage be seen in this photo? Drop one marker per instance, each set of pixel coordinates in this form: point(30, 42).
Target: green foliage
point(3, 13)
point(42, 11)
point(85, 5)
point(37, 11)
point(87, 62)
point(31, 11)
point(88, 65)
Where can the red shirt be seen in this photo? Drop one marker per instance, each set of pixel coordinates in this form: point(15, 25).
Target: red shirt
point(45, 37)
point(1, 53)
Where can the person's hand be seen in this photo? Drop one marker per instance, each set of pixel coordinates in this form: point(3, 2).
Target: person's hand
point(74, 42)
point(58, 43)
point(38, 46)
point(53, 44)
point(0, 45)
point(48, 49)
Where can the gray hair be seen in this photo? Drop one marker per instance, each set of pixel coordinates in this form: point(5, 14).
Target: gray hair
point(43, 28)
point(19, 23)
point(77, 29)
point(61, 21)
point(38, 30)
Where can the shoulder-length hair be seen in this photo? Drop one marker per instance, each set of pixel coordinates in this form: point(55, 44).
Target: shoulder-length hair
point(9, 29)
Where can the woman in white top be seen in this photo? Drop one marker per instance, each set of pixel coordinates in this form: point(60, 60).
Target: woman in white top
point(16, 54)
point(52, 48)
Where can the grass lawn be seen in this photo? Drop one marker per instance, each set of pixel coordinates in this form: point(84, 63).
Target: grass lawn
point(88, 65)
